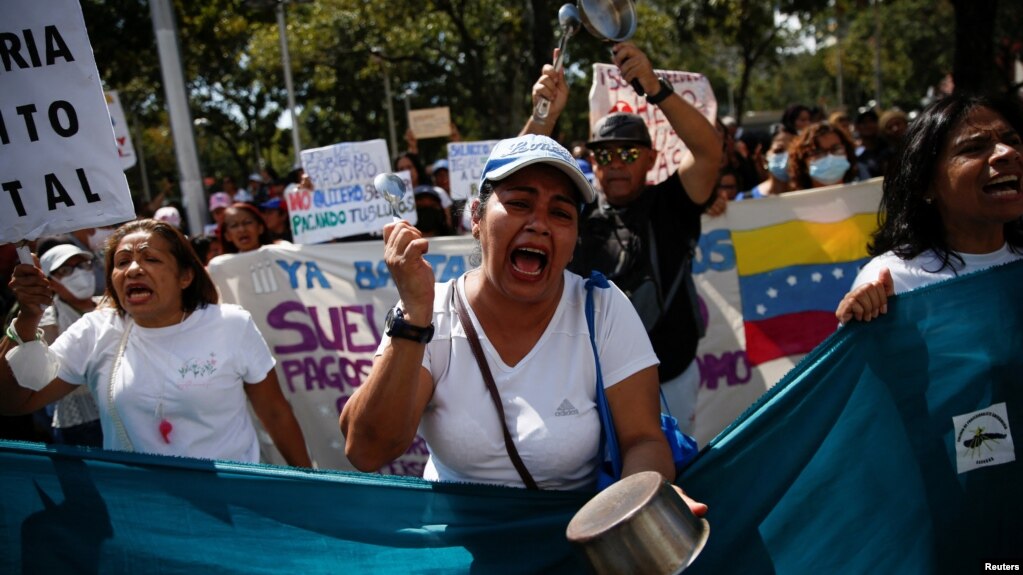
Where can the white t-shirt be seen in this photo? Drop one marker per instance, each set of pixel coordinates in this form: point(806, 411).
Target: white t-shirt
point(194, 370)
point(908, 275)
point(548, 397)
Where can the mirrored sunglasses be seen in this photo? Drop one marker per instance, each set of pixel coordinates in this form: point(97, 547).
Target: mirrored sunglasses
point(605, 156)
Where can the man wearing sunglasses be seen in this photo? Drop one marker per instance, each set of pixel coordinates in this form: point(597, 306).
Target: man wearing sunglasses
point(642, 236)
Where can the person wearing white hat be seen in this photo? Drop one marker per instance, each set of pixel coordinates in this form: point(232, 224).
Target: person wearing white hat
point(441, 174)
point(170, 215)
point(75, 418)
point(529, 312)
point(433, 217)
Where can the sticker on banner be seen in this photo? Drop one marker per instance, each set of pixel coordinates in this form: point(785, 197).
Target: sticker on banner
point(983, 438)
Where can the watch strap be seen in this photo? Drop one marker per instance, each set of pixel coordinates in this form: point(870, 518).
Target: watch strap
point(666, 90)
point(402, 329)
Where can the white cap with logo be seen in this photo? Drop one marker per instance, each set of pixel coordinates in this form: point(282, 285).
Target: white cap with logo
point(513, 154)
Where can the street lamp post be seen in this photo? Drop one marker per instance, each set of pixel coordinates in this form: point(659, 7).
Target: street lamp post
point(289, 85)
point(286, 61)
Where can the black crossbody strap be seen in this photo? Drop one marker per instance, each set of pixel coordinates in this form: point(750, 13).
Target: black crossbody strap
point(477, 350)
point(655, 263)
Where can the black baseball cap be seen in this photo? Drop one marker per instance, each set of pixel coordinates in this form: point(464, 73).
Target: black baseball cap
point(620, 127)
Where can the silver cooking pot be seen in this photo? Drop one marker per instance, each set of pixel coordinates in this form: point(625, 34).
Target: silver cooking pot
point(609, 20)
point(638, 525)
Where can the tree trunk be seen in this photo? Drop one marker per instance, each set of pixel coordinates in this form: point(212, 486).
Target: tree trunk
point(543, 33)
point(974, 67)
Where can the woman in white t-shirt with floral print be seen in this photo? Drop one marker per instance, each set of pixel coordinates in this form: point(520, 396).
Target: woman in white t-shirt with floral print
point(169, 367)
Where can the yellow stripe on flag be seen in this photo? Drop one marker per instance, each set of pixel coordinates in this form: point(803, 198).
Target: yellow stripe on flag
point(801, 242)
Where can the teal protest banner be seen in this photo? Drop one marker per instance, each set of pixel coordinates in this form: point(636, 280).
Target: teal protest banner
point(888, 449)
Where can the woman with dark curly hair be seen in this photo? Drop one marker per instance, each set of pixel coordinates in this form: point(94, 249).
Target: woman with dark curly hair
point(821, 155)
point(795, 118)
point(951, 202)
point(171, 370)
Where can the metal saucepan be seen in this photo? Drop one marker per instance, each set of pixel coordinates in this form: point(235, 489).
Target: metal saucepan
point(392, 188)
point(612, 21)
point(638, 525)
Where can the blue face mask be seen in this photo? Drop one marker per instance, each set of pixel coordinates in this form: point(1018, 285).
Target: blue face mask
point(778, 165)
point(829, 169)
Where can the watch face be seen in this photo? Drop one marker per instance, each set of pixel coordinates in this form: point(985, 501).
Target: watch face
point(389, 320)
point(395, 326)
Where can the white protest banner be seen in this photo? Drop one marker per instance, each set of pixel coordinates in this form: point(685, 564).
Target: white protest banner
point(321, 310)
point(122, 135)
point(465, 166)
point(59, 170)
point(344, 203)
point(610, 93)
point(430, 122)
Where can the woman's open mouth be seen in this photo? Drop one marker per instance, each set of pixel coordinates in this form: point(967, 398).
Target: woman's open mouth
point(529, 261)
point(137, 293)
point(1003, 186)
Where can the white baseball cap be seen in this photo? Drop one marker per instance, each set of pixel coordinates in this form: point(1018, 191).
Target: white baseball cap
point(59, 255)
point(513, 154)
point(170, 215)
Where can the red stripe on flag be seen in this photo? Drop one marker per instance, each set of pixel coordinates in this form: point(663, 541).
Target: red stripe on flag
point(789, 334)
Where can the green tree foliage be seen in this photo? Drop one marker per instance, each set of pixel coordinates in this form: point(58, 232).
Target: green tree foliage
point(481, 57)
point(739, 37)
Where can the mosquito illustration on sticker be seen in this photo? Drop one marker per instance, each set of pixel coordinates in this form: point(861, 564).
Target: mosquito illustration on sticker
point(980, 438)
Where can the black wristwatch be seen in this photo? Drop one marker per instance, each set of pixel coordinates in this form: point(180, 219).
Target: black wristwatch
point(666, 90)
point(396, 326)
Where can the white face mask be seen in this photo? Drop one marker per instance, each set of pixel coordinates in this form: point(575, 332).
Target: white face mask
point(81, 283)
point(99, 238)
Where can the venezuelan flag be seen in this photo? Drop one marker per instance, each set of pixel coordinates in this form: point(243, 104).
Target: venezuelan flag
point(792, 276)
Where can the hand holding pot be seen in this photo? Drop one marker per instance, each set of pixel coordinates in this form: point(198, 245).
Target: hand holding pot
point(635, 66)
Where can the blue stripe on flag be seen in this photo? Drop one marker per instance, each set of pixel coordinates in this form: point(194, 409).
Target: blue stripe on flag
point(794, 289)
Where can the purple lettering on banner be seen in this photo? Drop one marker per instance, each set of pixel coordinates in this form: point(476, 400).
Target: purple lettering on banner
point(733, 366)
point(335, 328)
point(277, 319)
point(312, 373)
point(327, 371)
point(352, 328)
point(291, 368)
point(330, 377)
point(344, 327)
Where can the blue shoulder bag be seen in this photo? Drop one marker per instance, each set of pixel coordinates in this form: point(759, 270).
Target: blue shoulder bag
point(683, 447)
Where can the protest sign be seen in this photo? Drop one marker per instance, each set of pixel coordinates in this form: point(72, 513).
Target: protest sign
point(610, 93)
point(59, 169)
point(465, 166)
point(344, 202)
point(430, 122)
point(122, 135)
